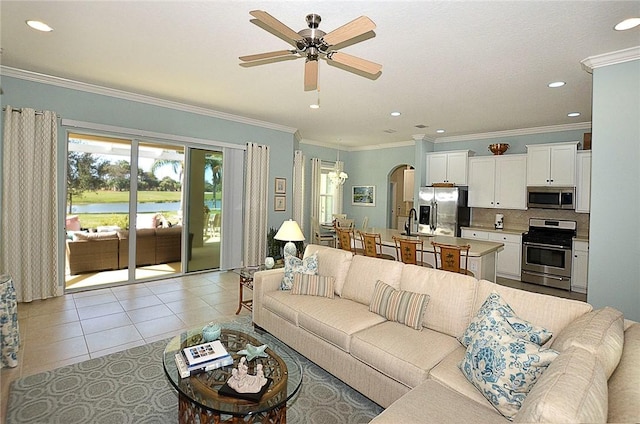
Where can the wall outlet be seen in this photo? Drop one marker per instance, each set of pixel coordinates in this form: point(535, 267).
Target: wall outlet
point(473, 266)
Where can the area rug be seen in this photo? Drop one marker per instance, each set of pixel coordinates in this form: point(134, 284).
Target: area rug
point(131, 387)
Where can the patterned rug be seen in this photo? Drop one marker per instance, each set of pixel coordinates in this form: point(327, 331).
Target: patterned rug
point(131, 387)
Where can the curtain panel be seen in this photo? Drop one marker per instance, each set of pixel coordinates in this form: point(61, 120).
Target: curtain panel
point(298, 188)
point(256, 204)
point(29, 203)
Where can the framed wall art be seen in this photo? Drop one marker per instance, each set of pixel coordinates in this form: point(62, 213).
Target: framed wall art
point(363, 195)
point(280, 203)
point(281, 186)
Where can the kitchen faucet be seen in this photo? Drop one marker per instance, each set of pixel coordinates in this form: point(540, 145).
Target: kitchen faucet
point(407, 226)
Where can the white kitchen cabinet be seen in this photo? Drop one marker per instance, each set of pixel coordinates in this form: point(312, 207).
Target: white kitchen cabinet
point(583, 181)
point(448, 167)
point(407, 192)
point(498, 182)
point(474, 234)
point(552, 164)
point(580, 266)
point(509, 259)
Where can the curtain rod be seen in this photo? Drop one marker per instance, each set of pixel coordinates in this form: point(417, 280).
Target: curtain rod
point(38, 112)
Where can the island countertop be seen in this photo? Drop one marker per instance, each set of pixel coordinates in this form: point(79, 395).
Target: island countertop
point(478, 247)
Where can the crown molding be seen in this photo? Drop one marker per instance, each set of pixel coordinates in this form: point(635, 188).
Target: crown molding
point(359, 148)
point(515, 133)
point(612, 58)
point(140, 98)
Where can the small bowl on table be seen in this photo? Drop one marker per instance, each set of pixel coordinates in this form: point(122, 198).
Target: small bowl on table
point(498, 148)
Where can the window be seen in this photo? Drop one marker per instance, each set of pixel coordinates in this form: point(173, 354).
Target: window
point(328, 205)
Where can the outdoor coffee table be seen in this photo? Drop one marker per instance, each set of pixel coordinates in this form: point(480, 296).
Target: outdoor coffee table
point(199, 401)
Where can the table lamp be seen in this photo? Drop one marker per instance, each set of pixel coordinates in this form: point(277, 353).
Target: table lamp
point(289, 231)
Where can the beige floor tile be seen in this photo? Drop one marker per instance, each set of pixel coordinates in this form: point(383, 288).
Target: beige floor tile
point(90, 293)
point(54, 318)
point(95, 325)
point(131, 292)
point(48, 306)
point(184, 305)
point(230, 308)
point(100, 310)
point(149, 313)
point(199, 317)
point(210, 288)
point(112, 337)
point(160, 326)
point(165, 286)
point(86, 301)
point(140, 302)
point(225, 297)
point(54, 333)
point(118, 348)
point(162, 336)
point(37, 353)
point(175, 296)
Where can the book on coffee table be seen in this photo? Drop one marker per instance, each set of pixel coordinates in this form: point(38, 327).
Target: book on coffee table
point(253, 397)
point(205, 352)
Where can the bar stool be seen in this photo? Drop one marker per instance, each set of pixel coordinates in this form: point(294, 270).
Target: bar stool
point(372, 245)
point(451, 257)
point(410, 251)
point(9, 333)
point(346, 240)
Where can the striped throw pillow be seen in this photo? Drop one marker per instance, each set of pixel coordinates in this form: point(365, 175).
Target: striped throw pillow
point(400, 306)
point(313, 285)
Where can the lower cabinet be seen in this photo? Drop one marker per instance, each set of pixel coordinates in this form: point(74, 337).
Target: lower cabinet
point(509, 259)
point(580, 266)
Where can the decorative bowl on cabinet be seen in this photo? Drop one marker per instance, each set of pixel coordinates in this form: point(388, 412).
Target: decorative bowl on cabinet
point(498, 148)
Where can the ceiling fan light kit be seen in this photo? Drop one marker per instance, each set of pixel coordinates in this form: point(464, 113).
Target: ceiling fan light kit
point(313, 44)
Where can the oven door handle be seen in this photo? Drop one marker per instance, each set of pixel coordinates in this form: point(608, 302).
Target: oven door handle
point(551, 246)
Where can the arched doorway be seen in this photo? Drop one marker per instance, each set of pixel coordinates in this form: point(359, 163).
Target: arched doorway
point(401, 191)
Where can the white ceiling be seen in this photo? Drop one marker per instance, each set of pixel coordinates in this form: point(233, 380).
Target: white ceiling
point(468, 67)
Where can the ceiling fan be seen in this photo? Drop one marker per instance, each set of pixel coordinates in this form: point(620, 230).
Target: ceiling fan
point(312, 44)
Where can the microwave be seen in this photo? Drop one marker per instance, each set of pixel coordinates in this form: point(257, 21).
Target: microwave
point(551, 197)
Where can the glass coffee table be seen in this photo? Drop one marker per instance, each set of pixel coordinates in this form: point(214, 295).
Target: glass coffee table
point(199, 401)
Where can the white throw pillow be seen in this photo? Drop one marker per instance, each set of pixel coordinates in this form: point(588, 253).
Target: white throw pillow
point(308, 265)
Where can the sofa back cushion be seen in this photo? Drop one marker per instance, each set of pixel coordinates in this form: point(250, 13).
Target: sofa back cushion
point(108, 235)
point(451, 297)
point(599, 332)
point(331, 263)
point(624, 390)
point(365, 272)
point(550, 312)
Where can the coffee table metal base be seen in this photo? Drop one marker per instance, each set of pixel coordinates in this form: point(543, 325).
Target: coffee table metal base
point(190, 413)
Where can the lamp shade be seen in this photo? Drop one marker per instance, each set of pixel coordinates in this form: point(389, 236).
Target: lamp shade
point(289, 231)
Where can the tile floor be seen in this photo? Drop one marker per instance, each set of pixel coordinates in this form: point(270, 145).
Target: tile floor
point(76, 327)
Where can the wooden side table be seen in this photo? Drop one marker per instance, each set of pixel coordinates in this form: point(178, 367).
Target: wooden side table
point(246, 282)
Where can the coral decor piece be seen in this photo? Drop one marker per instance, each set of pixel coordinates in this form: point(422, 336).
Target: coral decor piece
point(242, 382)
point(252, 352)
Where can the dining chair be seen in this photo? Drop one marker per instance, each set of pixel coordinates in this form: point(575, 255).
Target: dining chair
point(450, 257)
point(372, 245)
point(346, 240)
point(410, 251)
point(323, 237)
point(343, 223)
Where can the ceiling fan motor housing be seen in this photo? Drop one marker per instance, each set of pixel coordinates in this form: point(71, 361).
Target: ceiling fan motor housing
point(311, 42)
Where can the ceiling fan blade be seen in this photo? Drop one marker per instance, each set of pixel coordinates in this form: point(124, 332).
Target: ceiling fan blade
point(350, 30)
point(276, 25)
point(355, 62)
point(268, 55)
point(310, 75)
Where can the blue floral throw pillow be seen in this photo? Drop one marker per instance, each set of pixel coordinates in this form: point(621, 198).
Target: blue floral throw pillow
point(504, 367)
point(496, 312)
point(292, 264)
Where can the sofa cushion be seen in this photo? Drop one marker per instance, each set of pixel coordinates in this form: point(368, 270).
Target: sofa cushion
point(599, 332)
point(624, 390)
point(496, 312)
point(313, 285)
point(308, 265)
point(331, 262)
point(398, 305)
point(286, 306)
point(365, 272)
point(106, 235)
point(504, 367)
point(550, 312)
point(572, 390)
point(400, 352)
point(451, 297)
point(431, 402)
point(335, 320)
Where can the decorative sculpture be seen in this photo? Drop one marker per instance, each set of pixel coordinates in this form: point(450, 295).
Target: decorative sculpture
point(242, 382)
point(252, 352)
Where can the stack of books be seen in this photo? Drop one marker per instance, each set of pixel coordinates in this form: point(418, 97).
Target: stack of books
point(203, 357)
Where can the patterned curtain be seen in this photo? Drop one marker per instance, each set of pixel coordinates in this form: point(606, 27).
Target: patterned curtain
point(298, 188)
point(29, 203)
point(256, 204)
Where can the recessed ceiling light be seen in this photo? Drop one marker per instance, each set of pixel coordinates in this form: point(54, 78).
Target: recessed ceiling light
point(573, 114)
point(40, 26)
point(314, 106)
point(440, 131)
point(556, 84)
point(396, 113)
point(627, 24)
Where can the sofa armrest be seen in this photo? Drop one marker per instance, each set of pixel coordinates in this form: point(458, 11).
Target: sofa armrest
point(264, 282)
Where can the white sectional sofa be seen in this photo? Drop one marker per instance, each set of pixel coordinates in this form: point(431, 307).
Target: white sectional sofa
point(415, 374)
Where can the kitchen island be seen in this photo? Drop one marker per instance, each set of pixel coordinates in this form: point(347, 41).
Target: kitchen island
point(482, 255)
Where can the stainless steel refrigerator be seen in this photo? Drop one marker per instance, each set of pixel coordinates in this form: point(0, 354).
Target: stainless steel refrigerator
point(443, 210)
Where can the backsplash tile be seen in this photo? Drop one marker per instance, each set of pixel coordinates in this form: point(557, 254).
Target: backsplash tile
point(519, 219)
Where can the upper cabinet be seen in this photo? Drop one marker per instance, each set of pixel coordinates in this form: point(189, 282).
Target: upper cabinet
point(448, 167)
point(552, 164)
point(583, 183)
point(498, 182)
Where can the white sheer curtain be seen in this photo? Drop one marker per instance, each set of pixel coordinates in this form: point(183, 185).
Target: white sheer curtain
point(298, 188)
point(29, 203)
point(316, 178)
point(256, 204)
point(339, 189)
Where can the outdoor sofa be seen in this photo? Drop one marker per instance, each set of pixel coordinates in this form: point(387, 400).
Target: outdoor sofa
point(416, 374)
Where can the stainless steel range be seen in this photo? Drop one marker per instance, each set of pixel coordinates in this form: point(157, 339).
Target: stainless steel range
point(546, 252)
